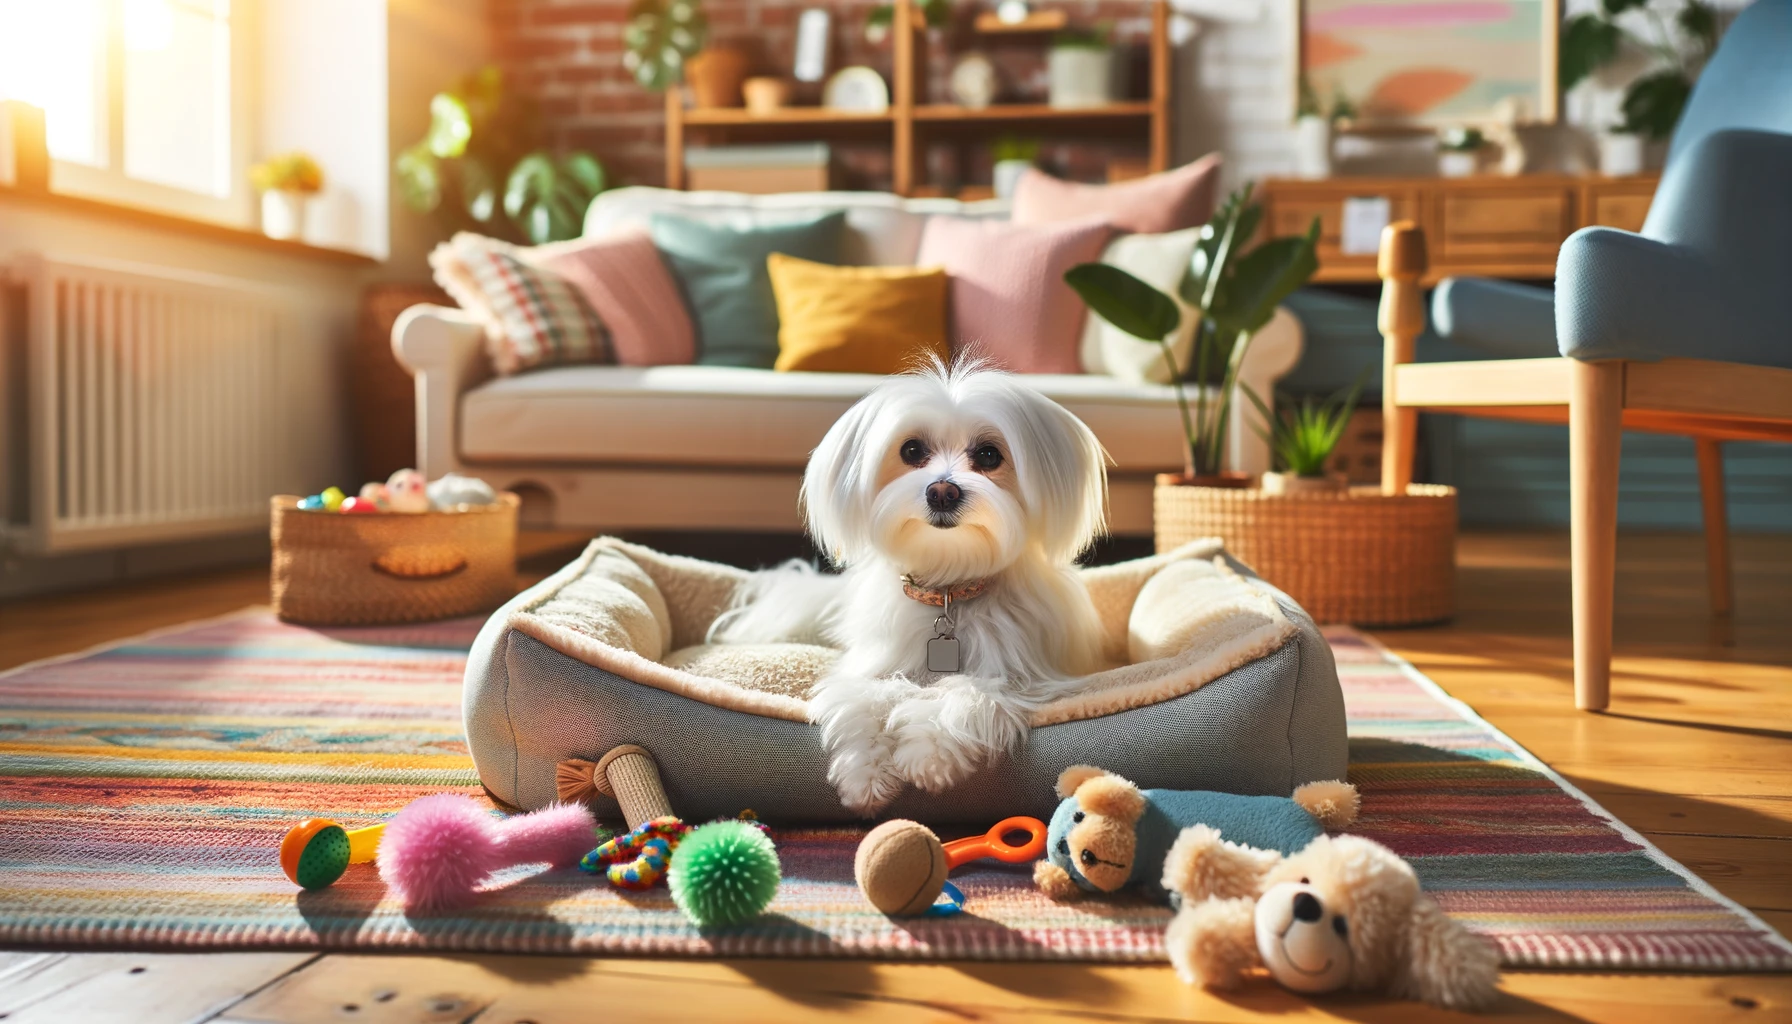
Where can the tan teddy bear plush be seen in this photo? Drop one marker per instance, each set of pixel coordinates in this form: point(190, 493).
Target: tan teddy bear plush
point(1342, 913)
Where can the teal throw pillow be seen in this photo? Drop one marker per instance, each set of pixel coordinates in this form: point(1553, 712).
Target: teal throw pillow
point(720, 267)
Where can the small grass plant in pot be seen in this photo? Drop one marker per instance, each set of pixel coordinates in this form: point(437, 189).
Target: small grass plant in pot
point(1302, 436)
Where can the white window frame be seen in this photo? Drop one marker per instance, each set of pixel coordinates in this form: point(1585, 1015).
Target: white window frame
point(110, 183)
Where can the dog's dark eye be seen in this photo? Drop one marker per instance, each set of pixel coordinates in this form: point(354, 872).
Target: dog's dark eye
point(1089, 857)
point(914, 451)
point(1078, 816)
point(1341, 926)
point(986, 457)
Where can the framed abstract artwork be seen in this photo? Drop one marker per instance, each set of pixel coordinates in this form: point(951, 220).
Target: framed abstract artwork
point(1426, 63)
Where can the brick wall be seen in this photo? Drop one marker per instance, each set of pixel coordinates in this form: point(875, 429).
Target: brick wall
point(569, 54)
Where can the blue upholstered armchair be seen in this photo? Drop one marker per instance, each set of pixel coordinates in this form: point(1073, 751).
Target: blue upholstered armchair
point(1685, 328)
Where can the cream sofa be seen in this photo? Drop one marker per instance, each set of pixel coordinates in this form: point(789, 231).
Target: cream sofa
point(720, 448)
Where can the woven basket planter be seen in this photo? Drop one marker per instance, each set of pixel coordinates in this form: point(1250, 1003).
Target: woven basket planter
point(1355, 556)
point(332, 569)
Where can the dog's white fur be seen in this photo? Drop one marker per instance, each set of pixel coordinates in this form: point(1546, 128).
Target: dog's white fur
point(1025, 641)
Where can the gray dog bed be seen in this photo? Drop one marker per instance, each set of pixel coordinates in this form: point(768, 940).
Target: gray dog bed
point(1219, 681)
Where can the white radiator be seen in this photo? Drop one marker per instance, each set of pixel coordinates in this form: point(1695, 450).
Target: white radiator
point(152, 410)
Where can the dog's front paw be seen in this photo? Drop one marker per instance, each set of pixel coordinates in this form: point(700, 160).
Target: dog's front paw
point(924, 754)
point(865, 786)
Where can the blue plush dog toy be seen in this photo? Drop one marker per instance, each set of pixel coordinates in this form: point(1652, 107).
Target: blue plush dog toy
point(1108, 833)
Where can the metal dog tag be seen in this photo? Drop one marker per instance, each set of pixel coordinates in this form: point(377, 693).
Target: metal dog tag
point(942, 654)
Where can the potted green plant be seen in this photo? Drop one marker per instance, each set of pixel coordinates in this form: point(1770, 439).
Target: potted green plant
point(1234, 288)
point(1459, 151)
point(286, 183)
point(1302, 437)
point(480, 158)
point(1080, 69)
point(1011, 157)
point(1653, 100)
point(1313, 129)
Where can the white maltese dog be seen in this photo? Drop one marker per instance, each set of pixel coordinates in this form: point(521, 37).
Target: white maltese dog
point(955, 501)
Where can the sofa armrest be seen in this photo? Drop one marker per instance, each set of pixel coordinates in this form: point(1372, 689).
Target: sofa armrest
point(444, 349)
point(1708, 278)
point(1273, 354)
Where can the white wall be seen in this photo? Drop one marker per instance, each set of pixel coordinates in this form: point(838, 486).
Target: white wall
point(322, 72)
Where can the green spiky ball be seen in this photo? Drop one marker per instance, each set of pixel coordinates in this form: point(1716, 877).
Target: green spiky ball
point(723, 873)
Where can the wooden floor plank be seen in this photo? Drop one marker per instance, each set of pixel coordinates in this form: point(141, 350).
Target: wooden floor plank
point(1696, 754)
point(97, 988)
point(401, 990)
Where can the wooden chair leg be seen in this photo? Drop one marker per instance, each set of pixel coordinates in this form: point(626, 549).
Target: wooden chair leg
point(1717, 525)
point(1595, 428)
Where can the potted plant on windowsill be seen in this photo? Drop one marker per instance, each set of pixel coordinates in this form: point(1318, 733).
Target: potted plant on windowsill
point(286, 184)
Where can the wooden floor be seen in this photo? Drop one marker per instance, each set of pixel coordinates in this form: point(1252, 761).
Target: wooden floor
point(1696, 752)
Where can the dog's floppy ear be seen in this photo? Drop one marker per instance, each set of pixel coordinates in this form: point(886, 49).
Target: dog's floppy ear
point(1111, 796)
point(1445, 965)
point(833, 495)
point(1075, 775)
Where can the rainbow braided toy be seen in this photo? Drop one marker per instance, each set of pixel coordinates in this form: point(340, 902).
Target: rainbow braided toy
point(638, 860)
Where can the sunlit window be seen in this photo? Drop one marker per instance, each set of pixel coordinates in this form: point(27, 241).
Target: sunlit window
point(135, 93)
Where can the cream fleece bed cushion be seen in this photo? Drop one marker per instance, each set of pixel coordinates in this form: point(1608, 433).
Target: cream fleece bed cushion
point(1217, 681)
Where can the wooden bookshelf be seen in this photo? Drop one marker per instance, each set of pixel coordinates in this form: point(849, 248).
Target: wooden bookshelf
point(911, 123)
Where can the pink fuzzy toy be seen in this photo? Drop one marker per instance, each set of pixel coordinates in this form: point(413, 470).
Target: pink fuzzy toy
point(439, 849)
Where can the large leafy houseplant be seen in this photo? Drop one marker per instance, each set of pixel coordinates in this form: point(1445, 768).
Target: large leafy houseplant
point(659, 37)
point(1233, 288)
point(1653, 102)
point(480, 158)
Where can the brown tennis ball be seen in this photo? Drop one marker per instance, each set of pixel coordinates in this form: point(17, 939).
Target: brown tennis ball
point(900, 867)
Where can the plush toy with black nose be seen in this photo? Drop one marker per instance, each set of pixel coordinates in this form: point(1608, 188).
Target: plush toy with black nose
point(1108, 834)
point(1342, 913)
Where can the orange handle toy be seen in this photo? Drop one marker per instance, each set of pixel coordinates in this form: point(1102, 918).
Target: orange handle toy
point(994, 843)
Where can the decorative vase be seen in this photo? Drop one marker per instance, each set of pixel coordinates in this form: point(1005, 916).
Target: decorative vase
point(283, 214)
point(715, 75)
point(1007, 176)
point(765, 94)
point(974, 81)
point(1292, 483)
point(1312, 147)
point(1080, 76)
point(1620, 154)
point(1458, 163)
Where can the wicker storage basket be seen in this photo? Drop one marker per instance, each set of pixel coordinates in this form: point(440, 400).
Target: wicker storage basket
point(1355, 556)
point(364, 570)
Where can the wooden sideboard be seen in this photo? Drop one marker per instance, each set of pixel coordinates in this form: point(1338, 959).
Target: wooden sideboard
point(1483, 226)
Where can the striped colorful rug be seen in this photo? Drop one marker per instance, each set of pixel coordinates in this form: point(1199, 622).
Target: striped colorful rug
point(147, 785)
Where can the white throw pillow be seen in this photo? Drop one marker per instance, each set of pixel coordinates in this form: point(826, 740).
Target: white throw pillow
point(1159, 261)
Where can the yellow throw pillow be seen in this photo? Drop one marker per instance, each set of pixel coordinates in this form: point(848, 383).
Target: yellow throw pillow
point(857, 319)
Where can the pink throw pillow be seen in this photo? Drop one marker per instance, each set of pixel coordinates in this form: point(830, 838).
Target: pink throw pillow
point(1182, 197)
point(1009, 303)
point(626, 282)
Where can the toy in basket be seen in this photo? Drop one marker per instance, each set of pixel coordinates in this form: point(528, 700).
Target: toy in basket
point(395, 552)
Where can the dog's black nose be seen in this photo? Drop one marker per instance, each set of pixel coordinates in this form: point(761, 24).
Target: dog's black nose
point(1307, 907)
point(943, 496)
